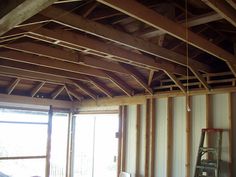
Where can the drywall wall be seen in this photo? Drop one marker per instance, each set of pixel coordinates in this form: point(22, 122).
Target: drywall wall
point(218, 113)
point(161, 136)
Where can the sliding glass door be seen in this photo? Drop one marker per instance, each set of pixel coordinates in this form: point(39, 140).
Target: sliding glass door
point(96, 146)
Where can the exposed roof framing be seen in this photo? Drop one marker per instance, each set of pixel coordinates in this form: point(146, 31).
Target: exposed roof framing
point(80, 49)
point(19, 11)
point(224, 9)
point(160, 22)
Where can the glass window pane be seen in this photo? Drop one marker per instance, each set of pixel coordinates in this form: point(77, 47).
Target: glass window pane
point(59, 145)
point(22, 140)
point(23, 168)
point(83, 158)
point(23, 115)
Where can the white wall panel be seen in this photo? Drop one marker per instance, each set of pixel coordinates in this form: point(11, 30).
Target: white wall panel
point(198, 121)
point(179, 137)
point(142, 140)
point(234, 133)
point(161, 137)
point(131, 140)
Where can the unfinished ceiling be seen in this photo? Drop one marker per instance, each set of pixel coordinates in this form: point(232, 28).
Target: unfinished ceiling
point(86, 49)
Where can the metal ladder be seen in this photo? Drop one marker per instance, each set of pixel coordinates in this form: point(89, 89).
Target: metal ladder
point(208, 158)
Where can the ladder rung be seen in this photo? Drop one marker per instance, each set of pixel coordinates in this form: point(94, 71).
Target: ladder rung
point(208, 149)
point(206, 167)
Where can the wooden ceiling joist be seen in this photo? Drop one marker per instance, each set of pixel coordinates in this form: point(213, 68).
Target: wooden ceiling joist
point(12, 86)
point(97, 29)
point(42, 70)
point(74, 93)
point(103, 49)
point(50, 63)
point(63, 55)
point(224, 9)
point(29, 75)
point(69, 94)
point(150, 77)
point(120, 83)
point(138, 77)
point(176, 81)
point(57, 92)
point(201, 78)
point(36, 89)
point(18, 11)
point(85, 89)
point(101, 86)
point(158, 21)
point(195, 21)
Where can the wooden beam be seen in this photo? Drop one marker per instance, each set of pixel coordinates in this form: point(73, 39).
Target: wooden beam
point(53, 74)
point(35, 101)
point(231, 126)
point(74, 93)
point(57, 92)
point(195, 21)
point(36, 89)
point(138, 139)
point(150, 78)
point(21, 12)
point(147, 138)
point(120, 141)
point(158, 21)
point(140, 99)
point(101, 86)
point(153, 137)
point(77, 22)
point(27, 75)
point(170, 127)
point(52, 52)
point(188, 135)
point(224, 9)
point(95, 47)
point(209, 121)
point(119, 83)
point(124, 136)
point(176, 81)
point(85, 89)
point(49, 142)
point(89, 8)
point(12, 86)
point(50, 63)
point(232, 3)
point(200, 78)
point(69, 93)
point(138, 77)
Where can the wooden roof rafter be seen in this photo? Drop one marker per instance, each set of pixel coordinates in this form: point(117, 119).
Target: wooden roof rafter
point(160, 22)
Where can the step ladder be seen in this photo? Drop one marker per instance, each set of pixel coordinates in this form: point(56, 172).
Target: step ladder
point(208, 158)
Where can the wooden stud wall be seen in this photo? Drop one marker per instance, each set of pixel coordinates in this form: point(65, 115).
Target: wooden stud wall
point(147, 145)
point(153, 136)
point(138, 137)
point(188, 135)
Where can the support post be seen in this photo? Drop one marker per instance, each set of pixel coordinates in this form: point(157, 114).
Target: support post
point(48, 153)
point(147, 138)
point(188, 135)
point(138, 137)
